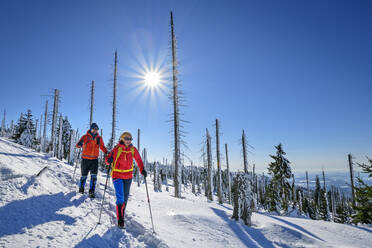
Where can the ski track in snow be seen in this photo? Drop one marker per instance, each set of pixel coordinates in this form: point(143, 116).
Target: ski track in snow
point(45, 211)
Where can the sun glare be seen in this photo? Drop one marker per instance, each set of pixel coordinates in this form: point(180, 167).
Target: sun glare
point(152, 78)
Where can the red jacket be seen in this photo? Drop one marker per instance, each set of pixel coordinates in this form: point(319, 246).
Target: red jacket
point(122, 161)
point(91, 145)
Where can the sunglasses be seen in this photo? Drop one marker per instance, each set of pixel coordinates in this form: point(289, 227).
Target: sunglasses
point(128, 138)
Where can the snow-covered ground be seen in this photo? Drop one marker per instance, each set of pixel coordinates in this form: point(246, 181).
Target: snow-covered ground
point(45, 211)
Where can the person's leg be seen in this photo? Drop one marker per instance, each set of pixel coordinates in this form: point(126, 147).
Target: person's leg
point(84, 174)
point(126, 185)
point(118, 185)
point(93, 175)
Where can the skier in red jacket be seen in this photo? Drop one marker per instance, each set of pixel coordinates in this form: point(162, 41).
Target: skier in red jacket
point(121, 160)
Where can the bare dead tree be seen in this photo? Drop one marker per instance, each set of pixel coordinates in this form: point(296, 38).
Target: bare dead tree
point(209, 161)
point(91, 103)
point(41, 125)
point(244, 143)
point(3, 124)
point(139, 150)
point(36, 128)
point(45, 126)
point(350, 158)
point(228, 174)
point(219, 180)
point(72, 145)
point(325, 192)
point(54, 122)
point(307, 183)
point(176, 124)
point(60, 145)
point(114, 103)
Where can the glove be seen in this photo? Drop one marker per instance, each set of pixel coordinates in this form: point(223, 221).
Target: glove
point(144, 173)
point(110, 160)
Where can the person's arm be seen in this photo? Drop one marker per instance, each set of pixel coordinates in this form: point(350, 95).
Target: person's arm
point(102, 146)
point(110, 157)
point(138, 159)
point(80, 143)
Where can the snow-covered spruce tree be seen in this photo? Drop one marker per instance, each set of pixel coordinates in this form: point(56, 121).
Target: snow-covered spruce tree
point(19, 128)
point(320, 202)
point(11, 130)
point(243, 197)
point(157, 177)
point(363, 197)
point(342, 211)
point(308, 208)
point(280, 172)
point(27, 137)
point(273, 196)
point(66, 133)
point(299, 196)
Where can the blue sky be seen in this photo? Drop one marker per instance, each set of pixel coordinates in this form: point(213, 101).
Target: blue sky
point(296, 72)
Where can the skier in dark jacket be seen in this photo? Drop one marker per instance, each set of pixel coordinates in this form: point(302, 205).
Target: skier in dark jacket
point(91, 142)
point(121, 161)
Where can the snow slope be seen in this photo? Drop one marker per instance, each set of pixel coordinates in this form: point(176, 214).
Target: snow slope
point(45, 211)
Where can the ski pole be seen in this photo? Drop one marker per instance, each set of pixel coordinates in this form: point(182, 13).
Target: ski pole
point(148, 199)
point(73, 177)
point(104, 192)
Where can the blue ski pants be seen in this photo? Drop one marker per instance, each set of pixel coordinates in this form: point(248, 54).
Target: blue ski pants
point(122, 188)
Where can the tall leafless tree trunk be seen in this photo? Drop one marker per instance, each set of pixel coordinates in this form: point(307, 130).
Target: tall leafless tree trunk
point(54, 122)
point(176, 128)
point(41, 126)
point(307, 183)
point(36, 130)
point(325, 192)
point(3, 124)
point(244, 143)
point(114, 102)
point(350, 158)
point(139, 150)
point(72, 145)
point(91, 103)
point(333, 203)
point(228, 173)
point(219, 180)
point(60, 145)
point(45, 126)
point(209, 174)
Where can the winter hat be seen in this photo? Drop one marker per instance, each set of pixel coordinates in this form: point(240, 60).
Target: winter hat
point(125, 134)
point(94, 126)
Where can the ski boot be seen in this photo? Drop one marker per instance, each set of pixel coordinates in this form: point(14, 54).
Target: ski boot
point(120, 214)
point(91, 193)
point(81, 190)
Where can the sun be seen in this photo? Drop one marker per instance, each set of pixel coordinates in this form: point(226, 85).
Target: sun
point(152, 79)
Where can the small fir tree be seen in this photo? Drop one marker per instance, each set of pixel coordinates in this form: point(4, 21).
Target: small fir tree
point(280, 171)
point(363, 195)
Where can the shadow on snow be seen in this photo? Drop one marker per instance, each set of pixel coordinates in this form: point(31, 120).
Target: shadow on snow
point(20, 214)
point(24, 155)
point(249, 236)
point(295, 226)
